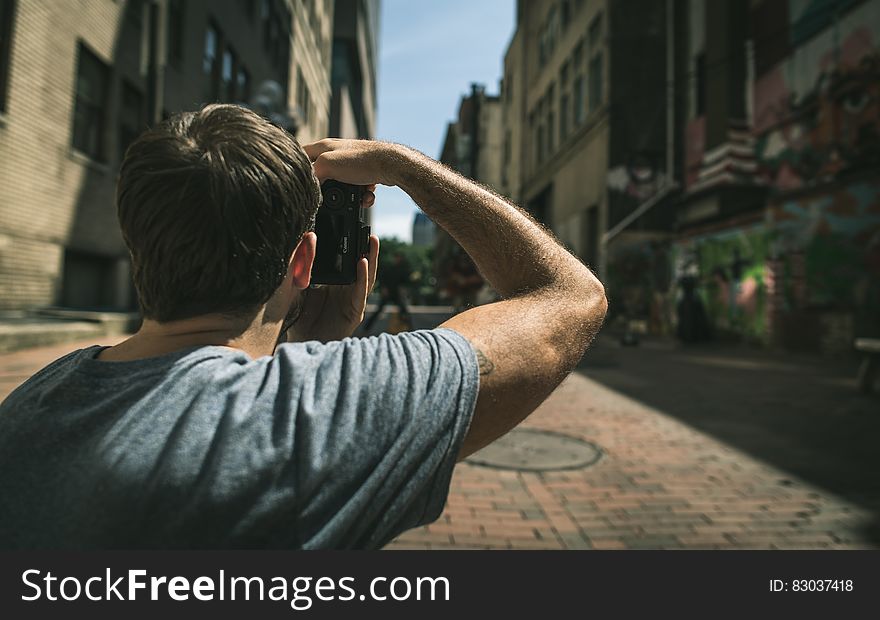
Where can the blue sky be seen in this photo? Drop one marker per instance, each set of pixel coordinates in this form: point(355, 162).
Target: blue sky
point(429, 53)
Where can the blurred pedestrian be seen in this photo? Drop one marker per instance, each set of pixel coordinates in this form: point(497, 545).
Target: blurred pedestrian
point(463, 283)
point(394, 277)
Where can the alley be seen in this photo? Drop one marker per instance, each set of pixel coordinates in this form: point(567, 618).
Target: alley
point(701, 448)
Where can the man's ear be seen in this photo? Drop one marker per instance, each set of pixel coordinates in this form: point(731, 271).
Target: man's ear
point(302, 259)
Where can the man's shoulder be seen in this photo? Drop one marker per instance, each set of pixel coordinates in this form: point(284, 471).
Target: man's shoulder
point(406, 339)
point(375, 355)
point(51, 371)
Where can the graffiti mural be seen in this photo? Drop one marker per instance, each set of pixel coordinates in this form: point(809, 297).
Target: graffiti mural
point(639, 278)
point(832, 243)
point(811, 269)
point(729, 269)
point(817, 113)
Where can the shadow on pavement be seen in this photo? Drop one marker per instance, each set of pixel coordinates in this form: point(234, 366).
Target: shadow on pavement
point(801, 414)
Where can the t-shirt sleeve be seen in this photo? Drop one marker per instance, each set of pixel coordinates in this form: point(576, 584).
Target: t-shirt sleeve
point(378, 426)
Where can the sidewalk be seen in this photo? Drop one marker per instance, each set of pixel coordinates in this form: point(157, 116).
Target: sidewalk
point(50, 326)
point(705, 448)
point(16, 367)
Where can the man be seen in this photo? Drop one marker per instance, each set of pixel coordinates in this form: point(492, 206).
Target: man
point(201, 431)
point(392, 280)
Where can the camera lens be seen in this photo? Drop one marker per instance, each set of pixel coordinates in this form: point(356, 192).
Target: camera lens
point(334, 198)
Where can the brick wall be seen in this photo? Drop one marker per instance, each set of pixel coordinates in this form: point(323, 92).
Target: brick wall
point(54, 198)
point(47, 187)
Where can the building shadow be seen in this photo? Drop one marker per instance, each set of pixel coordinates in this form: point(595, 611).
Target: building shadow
point(801, 414)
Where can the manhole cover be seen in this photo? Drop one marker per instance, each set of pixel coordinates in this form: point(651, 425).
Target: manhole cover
point(529, 449)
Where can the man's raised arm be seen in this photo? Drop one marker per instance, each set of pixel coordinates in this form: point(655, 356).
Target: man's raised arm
point(553, 305)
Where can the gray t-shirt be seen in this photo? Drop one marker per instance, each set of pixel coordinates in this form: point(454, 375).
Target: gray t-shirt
point(338, 445)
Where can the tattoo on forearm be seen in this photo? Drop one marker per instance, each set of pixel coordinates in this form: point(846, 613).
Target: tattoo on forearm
point(485, 364)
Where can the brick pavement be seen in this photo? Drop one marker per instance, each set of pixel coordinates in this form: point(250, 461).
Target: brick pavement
point(663, 484)
point(17, 366)
point(665, 480)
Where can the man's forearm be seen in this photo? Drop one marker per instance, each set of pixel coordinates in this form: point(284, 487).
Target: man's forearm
point(514, 253)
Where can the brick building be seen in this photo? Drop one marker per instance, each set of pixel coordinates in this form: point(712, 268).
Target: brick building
point(472, 146)
point(779, 220)
point(730, 145)
point(80, 80)
point(353, 75)
point(585, 119)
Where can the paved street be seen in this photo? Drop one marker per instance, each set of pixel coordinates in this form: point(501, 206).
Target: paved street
point(704, 448)
point(710, 447)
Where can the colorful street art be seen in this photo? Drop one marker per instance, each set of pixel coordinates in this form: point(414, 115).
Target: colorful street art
point(817, 113)
point(804, 271)
point(814, 261)
point(730, 271)
point(838, 236)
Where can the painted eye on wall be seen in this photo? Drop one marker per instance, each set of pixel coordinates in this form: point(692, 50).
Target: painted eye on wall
point(855, 101)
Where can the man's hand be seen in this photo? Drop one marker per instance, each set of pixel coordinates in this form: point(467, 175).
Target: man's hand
point(358, 162)
point(333, 312)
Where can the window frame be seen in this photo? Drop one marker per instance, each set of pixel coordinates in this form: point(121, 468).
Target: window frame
point(7, 30)
point(95, 109)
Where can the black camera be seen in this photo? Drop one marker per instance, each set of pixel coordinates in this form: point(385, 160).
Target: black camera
point(343, 235)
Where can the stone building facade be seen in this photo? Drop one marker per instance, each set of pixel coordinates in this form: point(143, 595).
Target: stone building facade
point(80, 80)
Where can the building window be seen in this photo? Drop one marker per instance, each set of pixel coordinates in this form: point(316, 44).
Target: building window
point(595, 82)
point(87, 280)
point(276, 22)
point(93, 77)
point(539, 143)
point(549, 34)
point(175, 30)
point(566, 13)
point(134, 13)
point(266, 21)
point(578, 55)
point(563, 118)
point(564, 101)
point(700, 85)
point(550, 98)
point(595, 31)
point(7, 15)
point(227, 83)
point(243, 84)
point(211, 61)
point(303, 98)
point(282, 46)
point(274, 36)
point(578, 106)
point(131, 117)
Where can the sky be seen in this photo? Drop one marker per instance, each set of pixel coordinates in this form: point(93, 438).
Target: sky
point(429, 53)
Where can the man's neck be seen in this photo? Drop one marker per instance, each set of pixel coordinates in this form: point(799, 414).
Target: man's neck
point(256, 338)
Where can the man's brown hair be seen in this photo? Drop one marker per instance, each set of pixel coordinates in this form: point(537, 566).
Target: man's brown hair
point(212, 204)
